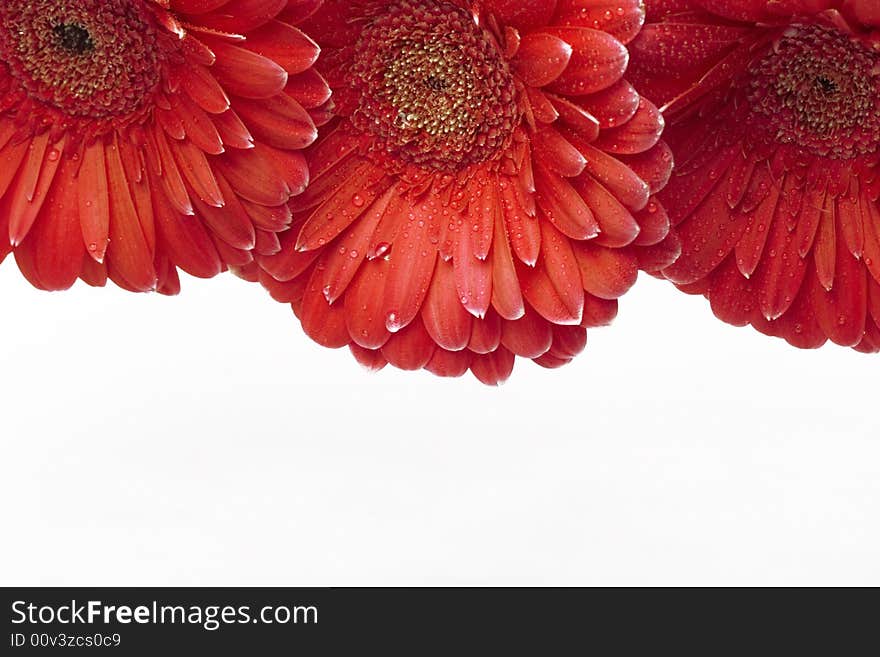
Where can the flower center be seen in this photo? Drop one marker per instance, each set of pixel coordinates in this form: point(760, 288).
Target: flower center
point(86, 58)
point(433, 87)
point(74, 38)
point(819, 89)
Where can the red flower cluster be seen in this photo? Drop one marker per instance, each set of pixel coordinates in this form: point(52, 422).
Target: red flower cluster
point(485, 189)
point(137, 136)
point(453, 183)
point(774, 112)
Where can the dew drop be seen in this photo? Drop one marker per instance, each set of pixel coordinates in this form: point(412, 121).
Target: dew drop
point(392, 322)
point(382, 248)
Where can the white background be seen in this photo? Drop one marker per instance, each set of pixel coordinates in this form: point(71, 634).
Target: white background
point(204, 440)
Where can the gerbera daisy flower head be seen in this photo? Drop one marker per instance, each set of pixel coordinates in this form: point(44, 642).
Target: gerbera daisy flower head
point(138, 136)
point(485, 190)
point(774, 119)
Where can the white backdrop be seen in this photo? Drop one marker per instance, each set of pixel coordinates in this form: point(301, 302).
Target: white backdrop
point(204, 440)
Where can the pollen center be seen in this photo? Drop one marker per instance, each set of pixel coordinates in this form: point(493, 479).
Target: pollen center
point(433, 87)
point(86, 58)
point(818, 89)
point(74, 38)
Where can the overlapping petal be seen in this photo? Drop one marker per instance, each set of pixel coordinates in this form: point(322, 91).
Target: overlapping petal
point(773, 118)
point(180, 149)
point(508, 235)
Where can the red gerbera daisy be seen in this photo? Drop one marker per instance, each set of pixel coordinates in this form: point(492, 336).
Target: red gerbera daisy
point(485, 190)
point(140, 135)
point(774, 111)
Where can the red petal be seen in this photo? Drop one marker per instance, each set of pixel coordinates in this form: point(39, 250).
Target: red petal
point(231, 223)
point(184, 239)
point(203, 89)
point(871, 222)
point(493, 368)
point(617, 177)
point(866, 11)
point(654, 166)
point(54, 247)
point(557, 153)
point(750, 247)
point(637, 135)
point(616, 224)
point(449, 363)
point(506, 291)
point(541, 58)
point(473, 277)
point(576, 118)
point(363, 315)
point(11, 157)
point(522, 225)
point(232, 131)
point(597, 62)
point(621, 18)
point(196, 6)
point(850, 216)
point(370, 359)
point(731, 295)
point(779, 277)
point(685, 192)
point(482, 212)
point(128, 254)
point(486, 334)
point(554, 287)
point(253, 176)
point(606, 273)
point(411, 348)
point(194, 166)
point(568, 341)
point(523, 14)
point(598, 312)
point(564, 206)
point(841, 311)
point(654, 224)
point(23, 201)
point(529, 337)
point(613, 106)
point(197, 124)
point(412, 261)
point(245, 73)
point(707, 236)
point(285, 45)
point(309, 89)
point(279, 121)
point(445, 319)
point(323, 322)
point(164, 165)
point(351, 250)
point(825, 248)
